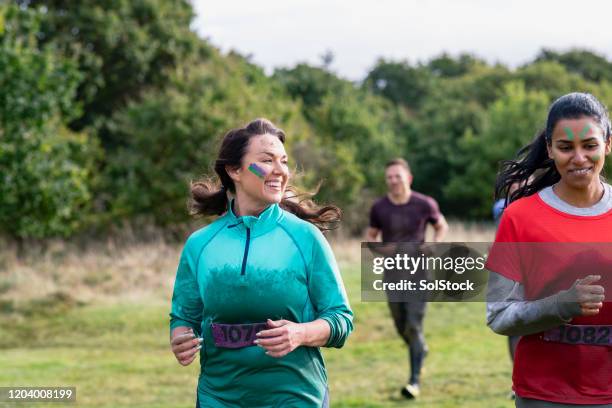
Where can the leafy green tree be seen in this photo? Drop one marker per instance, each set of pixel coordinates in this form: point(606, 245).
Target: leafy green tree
point(45, 168)
point(122, 47)
point(355, 134)
point(400, 82)
point(591, 66)
point(550, 77)
point(508, 124)
point(446, 66)
point(438, 129)
point(308, 84)
point(353, 117)
point(171, 136)
point(453, 105)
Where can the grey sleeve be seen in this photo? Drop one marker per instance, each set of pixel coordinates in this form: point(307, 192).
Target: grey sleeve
point(508, 312)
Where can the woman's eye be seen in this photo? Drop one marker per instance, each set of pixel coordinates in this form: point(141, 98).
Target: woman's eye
point(565, 148)
point(592, 146)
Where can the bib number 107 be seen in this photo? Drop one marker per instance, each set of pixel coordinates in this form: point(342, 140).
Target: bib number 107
point(236, 335)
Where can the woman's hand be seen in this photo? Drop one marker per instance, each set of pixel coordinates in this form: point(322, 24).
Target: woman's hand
point(281, 337)
point(185, 345)
point(590, 297)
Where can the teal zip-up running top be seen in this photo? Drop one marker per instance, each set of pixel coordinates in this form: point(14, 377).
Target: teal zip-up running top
point(241, 270)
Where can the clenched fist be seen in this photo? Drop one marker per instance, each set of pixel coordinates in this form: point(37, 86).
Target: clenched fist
point(185, 345)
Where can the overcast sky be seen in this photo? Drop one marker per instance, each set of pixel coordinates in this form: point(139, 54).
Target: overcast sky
point(281, 33)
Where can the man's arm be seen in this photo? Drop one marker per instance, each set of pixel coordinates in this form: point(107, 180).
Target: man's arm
point(375, 235)
point(440, 229)
point(372, 234)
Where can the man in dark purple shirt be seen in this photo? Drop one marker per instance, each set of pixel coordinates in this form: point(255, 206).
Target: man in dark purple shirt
point(402, 216)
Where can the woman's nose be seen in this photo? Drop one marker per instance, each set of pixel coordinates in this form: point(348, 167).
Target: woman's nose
point(280, 168)
point(580, 156)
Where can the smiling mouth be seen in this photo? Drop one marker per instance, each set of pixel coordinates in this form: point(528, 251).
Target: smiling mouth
point(273, 185)
point(581, 172)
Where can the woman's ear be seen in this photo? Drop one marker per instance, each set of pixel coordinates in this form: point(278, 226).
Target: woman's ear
point(233, 172)
point(549, 150)
point(607, 146)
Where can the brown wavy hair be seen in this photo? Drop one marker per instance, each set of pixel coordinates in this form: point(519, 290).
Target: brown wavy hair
point(209, 196)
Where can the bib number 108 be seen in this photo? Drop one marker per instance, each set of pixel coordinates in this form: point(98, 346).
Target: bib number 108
point(586, 335)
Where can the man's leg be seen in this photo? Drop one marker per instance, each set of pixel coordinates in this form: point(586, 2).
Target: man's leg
point(408, 320)
point(398, 313)
point(413, 334)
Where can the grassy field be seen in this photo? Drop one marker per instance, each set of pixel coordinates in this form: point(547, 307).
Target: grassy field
point(113, 347)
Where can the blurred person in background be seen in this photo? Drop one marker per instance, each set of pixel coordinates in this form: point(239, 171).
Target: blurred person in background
point(402, 216)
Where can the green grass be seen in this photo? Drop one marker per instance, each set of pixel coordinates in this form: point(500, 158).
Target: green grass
point(118, 355)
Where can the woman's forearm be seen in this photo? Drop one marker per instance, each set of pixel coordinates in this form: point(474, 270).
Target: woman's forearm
point(316, 333)
point(508, 312)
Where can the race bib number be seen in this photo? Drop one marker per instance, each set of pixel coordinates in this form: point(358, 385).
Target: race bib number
point(580, 334)
point(236, 335)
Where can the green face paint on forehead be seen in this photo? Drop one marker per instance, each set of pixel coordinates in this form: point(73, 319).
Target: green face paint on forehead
point(569, 133)
point(585, 131)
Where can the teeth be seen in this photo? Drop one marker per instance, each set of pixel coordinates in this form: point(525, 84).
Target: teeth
point(581, 171)
point(273, 184)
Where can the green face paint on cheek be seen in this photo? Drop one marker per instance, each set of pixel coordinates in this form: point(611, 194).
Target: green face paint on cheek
point(595, 158)
point(258, 171)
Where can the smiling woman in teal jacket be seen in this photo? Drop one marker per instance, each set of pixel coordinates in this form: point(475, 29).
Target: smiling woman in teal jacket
point(258, 291)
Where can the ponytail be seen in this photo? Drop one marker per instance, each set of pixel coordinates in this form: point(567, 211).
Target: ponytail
point(301, 205)
point(531, 171)
point(207, 198)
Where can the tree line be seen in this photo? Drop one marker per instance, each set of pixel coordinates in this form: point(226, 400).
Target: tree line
point(109, 110)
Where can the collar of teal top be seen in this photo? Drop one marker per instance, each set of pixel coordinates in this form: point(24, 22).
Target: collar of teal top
point(267, 220)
